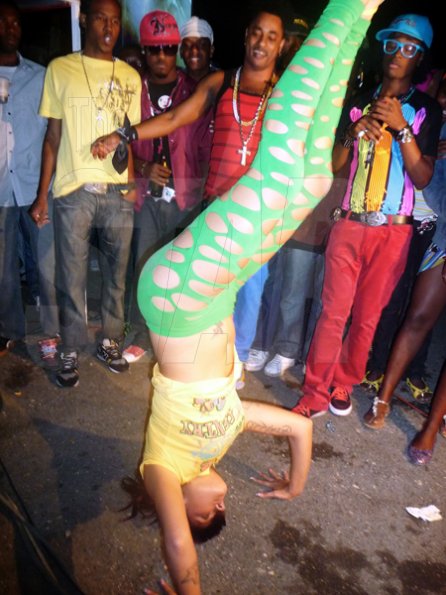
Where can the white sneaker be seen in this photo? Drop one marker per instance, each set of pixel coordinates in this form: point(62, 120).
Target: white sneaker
point(256, 360)
point(278, 365)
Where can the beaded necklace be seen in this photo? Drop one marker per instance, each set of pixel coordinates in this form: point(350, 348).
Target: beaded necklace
point(99, 109)
point(244, 152)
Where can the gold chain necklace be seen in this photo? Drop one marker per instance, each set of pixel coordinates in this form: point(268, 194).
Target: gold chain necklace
point(99, 110)
point(244, 152)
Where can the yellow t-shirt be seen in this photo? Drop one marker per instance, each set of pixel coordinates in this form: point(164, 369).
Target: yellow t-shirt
point(192, 425)
point(70, 82)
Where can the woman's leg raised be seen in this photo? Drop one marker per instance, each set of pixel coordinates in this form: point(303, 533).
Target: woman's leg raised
point(191, 283)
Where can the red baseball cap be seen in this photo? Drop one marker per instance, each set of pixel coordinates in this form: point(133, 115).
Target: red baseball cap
point(159, 28)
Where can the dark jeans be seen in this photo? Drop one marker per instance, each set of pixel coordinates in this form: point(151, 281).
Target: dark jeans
point(393, 314)
point(157, 223)
point(74, 217)
point(49, 314)
point(13, 221)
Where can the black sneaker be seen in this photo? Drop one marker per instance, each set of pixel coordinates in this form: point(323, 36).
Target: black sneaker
point(109, 352)
point(340, 402)
point(68, 375)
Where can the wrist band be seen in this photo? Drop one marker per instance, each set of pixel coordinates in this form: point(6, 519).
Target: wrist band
point(128, 133)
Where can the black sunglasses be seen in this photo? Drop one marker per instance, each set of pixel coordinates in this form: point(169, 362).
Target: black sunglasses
point(168, 50)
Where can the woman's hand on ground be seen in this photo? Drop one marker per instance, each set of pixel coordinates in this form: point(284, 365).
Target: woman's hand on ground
point(278, 484)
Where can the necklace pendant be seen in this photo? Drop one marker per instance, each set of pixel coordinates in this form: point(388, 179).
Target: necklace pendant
point(99, 116)
point(244, 152)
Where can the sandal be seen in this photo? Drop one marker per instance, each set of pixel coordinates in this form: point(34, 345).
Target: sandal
point(418, 456)
point(375, 417)
point(372, 385)
point(422, 395)
point(442, 429)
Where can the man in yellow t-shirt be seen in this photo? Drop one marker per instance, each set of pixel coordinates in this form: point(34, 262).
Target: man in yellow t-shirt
point(87, 94)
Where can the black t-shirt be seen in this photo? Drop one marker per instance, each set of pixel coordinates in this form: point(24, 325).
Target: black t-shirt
point(428, 134)
point(161, 101)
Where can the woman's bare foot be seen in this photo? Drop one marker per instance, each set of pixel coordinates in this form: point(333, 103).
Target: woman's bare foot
point(370, 7)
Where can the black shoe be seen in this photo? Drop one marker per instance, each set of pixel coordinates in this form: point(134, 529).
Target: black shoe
point(5, 344)
point(109, 352)
point(68, 375)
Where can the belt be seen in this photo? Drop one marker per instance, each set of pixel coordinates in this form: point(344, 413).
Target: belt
point(104, 188)
point(371, 218)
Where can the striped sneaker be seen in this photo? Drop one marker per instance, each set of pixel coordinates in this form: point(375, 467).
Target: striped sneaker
point(108, 351)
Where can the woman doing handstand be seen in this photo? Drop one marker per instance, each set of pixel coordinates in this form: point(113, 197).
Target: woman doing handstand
point(187, 289)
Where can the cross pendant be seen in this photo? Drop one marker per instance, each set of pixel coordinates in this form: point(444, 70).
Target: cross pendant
point(243, 152)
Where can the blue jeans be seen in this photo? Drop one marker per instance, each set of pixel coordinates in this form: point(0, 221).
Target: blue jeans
point(246, 311)
point(74, 217)
point(12, 221)
point(291, 303)
point(300, 302)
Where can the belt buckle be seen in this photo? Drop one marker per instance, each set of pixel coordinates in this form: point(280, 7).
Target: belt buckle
point(96, 187)
point(375, 219)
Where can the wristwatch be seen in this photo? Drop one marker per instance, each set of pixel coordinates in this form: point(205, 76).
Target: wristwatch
point(405, 135)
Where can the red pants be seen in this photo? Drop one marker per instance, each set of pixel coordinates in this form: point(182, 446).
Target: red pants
point(362, 267)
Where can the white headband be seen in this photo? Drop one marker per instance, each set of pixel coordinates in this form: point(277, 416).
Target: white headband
point(196, 27)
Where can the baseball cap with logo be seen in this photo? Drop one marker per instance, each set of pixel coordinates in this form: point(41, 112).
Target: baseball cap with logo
point(159, 28)
point(414, 25)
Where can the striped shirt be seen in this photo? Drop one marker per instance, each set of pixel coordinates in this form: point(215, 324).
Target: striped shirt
point(225, 167)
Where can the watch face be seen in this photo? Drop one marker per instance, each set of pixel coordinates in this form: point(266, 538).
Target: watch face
point(405, 135)
point(164, 102)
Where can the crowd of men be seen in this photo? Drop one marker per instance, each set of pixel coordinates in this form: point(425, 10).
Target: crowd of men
point(56, 200)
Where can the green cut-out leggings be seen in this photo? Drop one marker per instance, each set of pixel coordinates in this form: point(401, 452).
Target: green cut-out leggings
point(191, 283)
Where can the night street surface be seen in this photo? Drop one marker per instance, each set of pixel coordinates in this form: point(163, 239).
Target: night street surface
point(64, 451)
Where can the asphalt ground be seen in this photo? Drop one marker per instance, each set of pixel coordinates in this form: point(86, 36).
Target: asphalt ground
point(63, 453)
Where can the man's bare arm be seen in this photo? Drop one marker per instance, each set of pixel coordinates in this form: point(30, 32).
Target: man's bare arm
point(185, 113)
point(51, 142)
